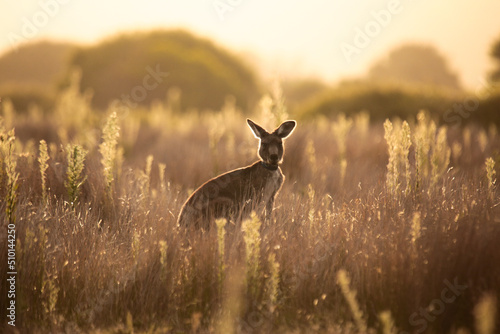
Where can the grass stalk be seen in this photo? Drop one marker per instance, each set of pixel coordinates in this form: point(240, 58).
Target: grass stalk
point(42, 160)
point(10, 161)
point(74, 179)
point(251, 236)
point(108, 150)
point(344, 281)
point(490, 175)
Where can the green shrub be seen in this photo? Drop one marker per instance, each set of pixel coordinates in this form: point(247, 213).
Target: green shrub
point(381, 101)
point(30, 73)
point(204, 72)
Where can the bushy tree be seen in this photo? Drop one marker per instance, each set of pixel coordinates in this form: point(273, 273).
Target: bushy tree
point(415, 64)
point(495, 54)
point(380, 100)
point(206, 74)
point(29, 74)
point(36, 65)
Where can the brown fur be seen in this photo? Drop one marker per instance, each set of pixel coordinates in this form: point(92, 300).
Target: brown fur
point(235, 194)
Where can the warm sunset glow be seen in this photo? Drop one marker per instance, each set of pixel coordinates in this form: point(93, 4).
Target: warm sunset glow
point(246, 166)
point(289, 38)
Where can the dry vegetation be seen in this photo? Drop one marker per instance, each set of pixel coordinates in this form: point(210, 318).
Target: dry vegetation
point(377, 228)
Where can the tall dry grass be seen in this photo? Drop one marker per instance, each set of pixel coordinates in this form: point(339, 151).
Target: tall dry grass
point(115, 261)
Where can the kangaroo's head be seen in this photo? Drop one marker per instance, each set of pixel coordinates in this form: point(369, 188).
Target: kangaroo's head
point(271, 144)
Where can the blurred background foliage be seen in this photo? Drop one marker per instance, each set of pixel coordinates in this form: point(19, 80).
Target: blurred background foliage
point(202, 75)
point(204, 72)
point(30, 75)
point(417, 65)
point(381, 100)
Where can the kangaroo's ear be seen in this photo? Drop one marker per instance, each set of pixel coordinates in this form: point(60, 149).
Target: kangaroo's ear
point(257, 130)
point(285, 129)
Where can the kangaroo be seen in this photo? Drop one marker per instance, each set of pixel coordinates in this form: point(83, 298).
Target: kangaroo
point(233, 195)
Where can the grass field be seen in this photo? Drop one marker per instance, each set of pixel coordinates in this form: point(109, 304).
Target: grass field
point(373, 231)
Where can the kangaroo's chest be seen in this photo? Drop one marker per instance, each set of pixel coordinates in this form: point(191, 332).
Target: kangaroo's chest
point(272, 185)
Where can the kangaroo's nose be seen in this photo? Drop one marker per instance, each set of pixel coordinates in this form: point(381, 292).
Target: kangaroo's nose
point(273, 157)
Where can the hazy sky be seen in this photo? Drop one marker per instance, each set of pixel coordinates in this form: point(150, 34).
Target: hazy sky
point(330, 39)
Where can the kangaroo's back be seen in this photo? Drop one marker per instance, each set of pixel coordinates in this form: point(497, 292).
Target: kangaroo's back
point(233, 195)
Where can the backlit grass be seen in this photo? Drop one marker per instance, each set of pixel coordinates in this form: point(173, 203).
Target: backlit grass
point(98, 249)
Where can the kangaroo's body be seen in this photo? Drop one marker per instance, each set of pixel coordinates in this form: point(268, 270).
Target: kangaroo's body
point(235, 194)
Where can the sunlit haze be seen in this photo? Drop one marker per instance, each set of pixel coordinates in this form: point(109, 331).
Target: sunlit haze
point(250, 166)
point(326, 39)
